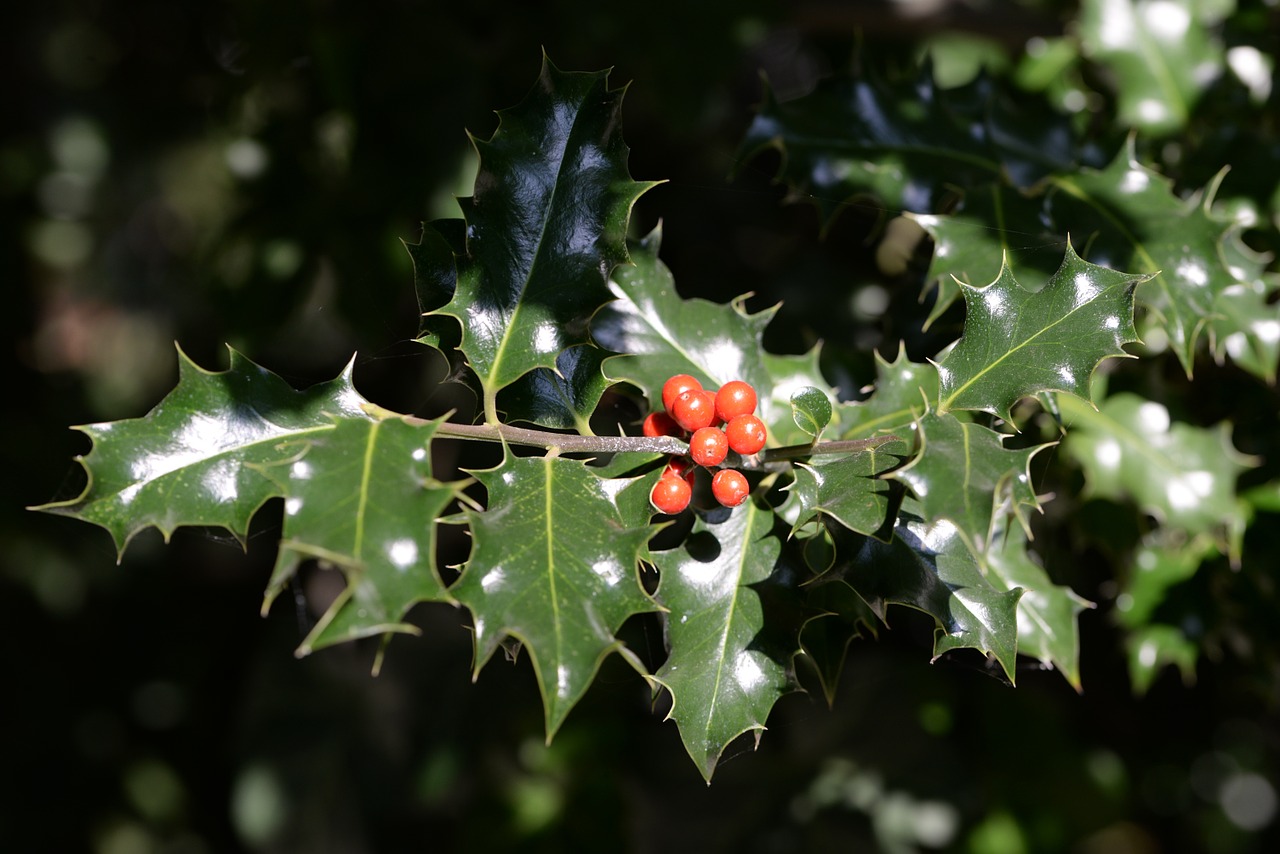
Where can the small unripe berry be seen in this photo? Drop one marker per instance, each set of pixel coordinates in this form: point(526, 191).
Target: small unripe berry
point(746, 434)
point(670, 495)
point(730, 487)
point(709, 446)
point(735, 398)
point(694, 410)
point(675, 387)
point(660, 424)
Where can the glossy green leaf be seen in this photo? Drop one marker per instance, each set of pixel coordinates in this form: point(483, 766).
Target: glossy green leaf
point(1182, 474)
point(1264, 497)
point(361, 497)
point(1017, 343)
point(901, 395)
point(990, 223)
point(435, 279)
point(1048, 628)
point(1157, 566)
point(1129, 218)
point(811, 410)
point(927, 566)
point(788, 374)
point(563, 398)
point(197, 457)
point(1246, 328)
point(547, 221)
point(1160, 53)
point(846, 488)
point(1155, 647)
point(825, 638)
point(554, 566)
point(730, 658)
point(660, 335)
point(904, 143)
point(964, 474)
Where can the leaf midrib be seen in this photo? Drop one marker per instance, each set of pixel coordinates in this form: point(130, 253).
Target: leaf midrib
point(500, 354)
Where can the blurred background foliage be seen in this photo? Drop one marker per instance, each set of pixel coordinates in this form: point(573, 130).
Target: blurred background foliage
point(245, 172)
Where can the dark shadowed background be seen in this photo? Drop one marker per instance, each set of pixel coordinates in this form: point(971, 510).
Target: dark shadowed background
point(245, 172)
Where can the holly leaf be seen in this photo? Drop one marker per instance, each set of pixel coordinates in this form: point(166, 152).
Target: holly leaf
point(1154, 647)
point(547, 221)
point(904, 143)
point(729, 661)
point(561, 399)
point(1129, 217)
point(554, 566)
point(1161, 54)
point(1048, 613)
point(1182, 474)
point(927, 566)
point(435, 279)
point(989, 223)
point(899, 397)
point(361, 497)
point(790, 375)
point(811, 410)
point(964, 474)
point(1157, 566)
point(1246, 327)
point(197, 458)
point(660, 335)
point(826, 636)
point(1017, 343)
point(846, 488)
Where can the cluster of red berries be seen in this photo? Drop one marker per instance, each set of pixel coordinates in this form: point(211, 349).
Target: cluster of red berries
point(715, 422)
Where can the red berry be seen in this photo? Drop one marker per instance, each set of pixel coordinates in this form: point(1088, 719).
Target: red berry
point(746, 434)
point(676, 386)
point(709, 446)
point(670, 495)
point(660, 424)
point(730, 487)
point(694, 410)
point(682, 468)
point(735, 398)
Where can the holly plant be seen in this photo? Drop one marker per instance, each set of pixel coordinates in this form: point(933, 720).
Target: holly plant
point(923, 492)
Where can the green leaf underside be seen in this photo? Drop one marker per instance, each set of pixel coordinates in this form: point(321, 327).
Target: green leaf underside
point(1182, 474)
point(729, 663)
point(361, 497)
point(197, 457)
point(1047, 612)
point(546, 223)
point(928, 567)
point(554, 565)
point(1017, 343)
point(965, 474)
point(846, 488)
